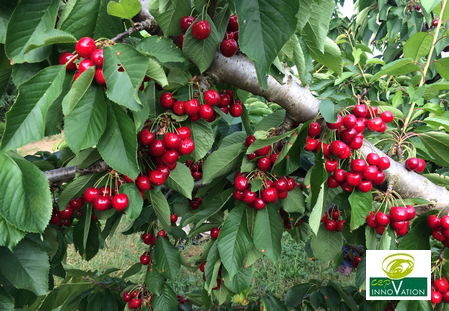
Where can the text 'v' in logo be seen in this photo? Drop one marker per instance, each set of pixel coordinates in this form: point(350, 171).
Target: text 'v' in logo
point(397, 289)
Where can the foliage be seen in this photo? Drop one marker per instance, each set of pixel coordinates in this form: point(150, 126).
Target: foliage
point(109, 126)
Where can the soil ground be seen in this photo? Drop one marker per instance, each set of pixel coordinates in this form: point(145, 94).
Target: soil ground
point(43, 145)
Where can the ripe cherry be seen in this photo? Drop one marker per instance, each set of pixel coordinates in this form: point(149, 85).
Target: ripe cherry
point(349, 121)
point(338, 148)
point(358, 165)
point(387, 116)
point(228, 47)
point(249, 196)
point(281, 184)
point(398, 213)
point(156, 148)
point(360, 111)
point(178, 108)
point(421, 166)
point(379, 179)
point(314, 129)
point(84, 65)
point(441, 284)
point(64, 59)
point(85, 46)
point(170, 157)
point(185, 22)
point(418, 8)
point(330, 224)
point(264, 163)
point(412, 164)
point(380, 229)
point(203, 266)
point(233, 24)
point(397, 225)
point(259, 203)
point(99, 78)
point(332, 182)
point(370, 172)
point(436, 297)
point(192, 106)
point(330, 165)
point(143, 183)
point(67, 213)
point(339, 175)
point(438, 235)
point(335, 214)
point(120, 202)
point(353, 179)
point(348, 135)
point(167, 100)
point(374, 124)
point(173, 218)
point(290, 184)
point(90, 194)
point(371, 220)
point(206, 112)
point(411, 213)
point(187, 146)
point(181, 40)
point(241, 183)
point(218, 285)
point(340, 224)
point(444, 222)
point(235, 110)
point(145, 137)
point(77, 203)
point(336, 125)
point(384, 163)
point(196, 175)
point(433, 222)
point(359, 126)
point(310, 144)
point(269, 195)
point(126, 296)
point(97, 58)
point(382, 219)
point(373, 158)
point(356, 143)
point(156, 177)
point(102, 203)
point(201, 29)
point(214, 232)
point(172, 140)
point(435, 22)
point(184, 132)
point(211, 97)
point(145, 259)
point(365, 186)
point(146, 238)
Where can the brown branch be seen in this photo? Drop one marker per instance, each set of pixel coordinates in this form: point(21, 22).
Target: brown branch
point(212, 8)
point(149, 25)
point(66, 173)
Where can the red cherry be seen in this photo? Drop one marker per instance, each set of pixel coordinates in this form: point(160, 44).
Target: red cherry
point(269, 195)
point(263, 151)
point(259, 203)
point(353, 179)
point(195, 117)
point(156, 148)
point(167, 100)
point(421, 166)
point(358, 165)
point(249, 196)
point(372, 111)
point(441, 284)
point(435, 22)
point(379, 179)
point(340, 224)
point(235, 110)
point(77, 203)
point(382, 219)
point(126, 296)
point(228, 47)
point(233, 24)
point(310, 144)
point(397, 225)
point(338, 148)
point(181, 40)
point(143, 183)
point(64, 59)
point(187, 146)
point(97, 58)
point(325, 216)
point(146, 137)
point(218, 285)
point(359, 126)
point(202, 266)
point(412, 164)
point(330, 165)
point(339, 175)
point(185, 22)
point(214, 233)
point(84, 65)
point(349, 121)
point(444, 223)
point(398, 213)
point(241, 183)
point(178, 108)
point(196, 175)
point(264, 163)
point(170, 157)
point(360, 111)
point(438, 235)
point(146, 238)
point(211, 97)
point(67, 213)
point(370, 173)
point(373, 158)
point(173, 218)
point(206, 112)
point(365, 186)
point(238, 195)
point(145, 259)
point(387, 116)
point(99, 78)
point(192, 106)
point(90, 194)
point(433, 222)
point(274, 157)
point(225, 100)
point(348, 135)
point(336, 125)
point(411, 213)
point(156, 177)
point(335, 214)
point(380, 229)
point(435, 297)
point(120, 202)
point(384, 163)
point(201, 29)
point(85, 46)
point(374, 124)
point(102, 203)
point(281, 184)
point(184, 132)
point(282, 195)
point(356, 143)
point(330, 224)
point(418, 8)
point(332, 182)
point(172, 141)
point(371, 221)
point(355, 262)
point(314, 129)
point(290, 184)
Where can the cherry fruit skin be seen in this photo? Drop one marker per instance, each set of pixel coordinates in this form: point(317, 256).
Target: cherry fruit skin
point(249, 196)
point(314, 129)
point(120, 202)
point(264, 163)
point(412, 164)
point(233, 24)
point(77, 203)
point(85, 64)
point(185, 22)
point(310, 144)
point(269, 195)
point(173, 218)
point(192, 106)
point(330, 165)
point(360, 111)
point(156, 147)
point(201, 29)
point(339, 175)
point(358, 165)
point(241, 183)
point(214, 233)
point(67, 213)
point(99, 77)
point(444, 222)
point(187, 146)
point(441, 284)
point(365, 186)
point(90, 194)
point(259, 203)
point(433, 222)
point(384, 163)
point(172, 140)
point(421, 166)
point(143, 183)
point(102, 203)
point(382, 219)
point(349, 121)
point(353, 179)
point(167, 100)
point(85, 46)
point(398, 213)
point(235, 110)
point(371, 220)
point(206, 112)
point(336, 125)
point(211, 97)
point(228, 47)
point(436, 297)
point(156, 177)
point(64, 59)
point(387, 116)
point(178, 108)
point(338, 148)
point(332, 182)
point(411, 213)
point(144, 259)
point(330, 224)
point(97, 58)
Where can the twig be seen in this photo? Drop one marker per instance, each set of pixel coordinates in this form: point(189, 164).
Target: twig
point(212, 8)
point(66, 173)
point(149, 25)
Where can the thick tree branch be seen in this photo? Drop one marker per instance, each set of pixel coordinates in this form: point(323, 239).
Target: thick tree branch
point(66, 173)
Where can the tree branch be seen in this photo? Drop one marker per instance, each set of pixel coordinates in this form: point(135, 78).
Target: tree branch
point(212, 8)
point(66, 173)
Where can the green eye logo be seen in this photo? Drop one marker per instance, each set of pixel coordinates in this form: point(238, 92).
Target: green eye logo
point(398, 266)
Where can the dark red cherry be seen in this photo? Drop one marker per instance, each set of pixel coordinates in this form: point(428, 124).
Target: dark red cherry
point(228, 47)
point(64, 59)
point(85, 46)
point(201, 29)
point(185, 22)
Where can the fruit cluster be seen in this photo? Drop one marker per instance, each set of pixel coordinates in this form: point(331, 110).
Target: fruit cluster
point(331, 220)
point(196, 168)
point(229, 44)
point(440, 290)
point(355, 259)
point(151, 240)
point(85, 48)
point(195, 202)
point(132, 299)
point(398, 218)
point(105, 198)
point(200, 29)
point(440, 228)
point(415, 164)
point(64, 217)
point(202, 269)
point(286, 218)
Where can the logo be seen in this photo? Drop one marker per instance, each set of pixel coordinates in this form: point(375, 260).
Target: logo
point(398, 275)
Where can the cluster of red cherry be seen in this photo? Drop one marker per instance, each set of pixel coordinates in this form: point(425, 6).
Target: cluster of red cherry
point(440, 228)
point(133, 299)
point(398, 219)
point(200, 29)
point(229, 44)
point(105, 198)
point(331, 220)
point(164, 153)
point(355, 259)
point(148, 239)
point(87, 49)
point(63, 218)
point(225, 101)
point(415, 164)
point(195, 202)
point(203, 267)
point(440, 290)
point(286, 218)
point(196, 168)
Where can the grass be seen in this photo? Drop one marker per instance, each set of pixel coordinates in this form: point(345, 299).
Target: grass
point(293, 267)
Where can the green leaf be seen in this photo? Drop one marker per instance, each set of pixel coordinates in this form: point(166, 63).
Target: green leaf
point(268, 231)
point(223, 161)
point(135, 268)
point(76, 188)
point(329, 110)
point(319, 193)
point(202, 52)
point(305, 8)
point(154, 281)
point(260, 143)
point(234, 241)
point(438, 121)
point(360, 207)
point(360, 276)
point(167, 301)
point(156, 72)
point(126, 9)
point(26, 267)
point(397, 68)
point(135, 200)
point(316, 28)
point(49, 37)
point(123, 86)
point(181, 180)
point(118, 144)
point(437, 145)
point(331, 57)
point(295, 295)
point(271, 121)
point(29, 19)
point(203, 137)
point(212, 208)
point(273, 304)
point(89, 19)
point(418, 45)
point(240, 281)
point(169, 20)
point(264, 28)
point(6, 301)
point(161, 208)
point(294, 202)
point(9, 235)
point(109, 301)
point(25, 200)
point(429, 5)
point(87, 121)
point(166, 258)
point(442, 67)
point(77, 90)
point(326, 244)
point(418, 236)
point(416, 305)
point(161, 48)
point(213, 264)
point(25, 122)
